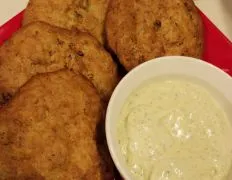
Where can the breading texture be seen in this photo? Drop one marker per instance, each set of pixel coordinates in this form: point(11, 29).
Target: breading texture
point(40, 47)
point(140, 30)
point(48, 130)
point(84, 15)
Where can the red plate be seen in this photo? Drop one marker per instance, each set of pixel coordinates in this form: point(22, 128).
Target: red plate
point(218, 49)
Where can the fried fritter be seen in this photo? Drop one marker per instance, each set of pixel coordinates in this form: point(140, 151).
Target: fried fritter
point(48, 130)
point(140, 30)
point(40, 47)
point(84, 15)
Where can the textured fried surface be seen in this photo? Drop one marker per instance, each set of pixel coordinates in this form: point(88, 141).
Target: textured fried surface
point(85, 15)
point(40, 48)
point(139, 30)
point(48, 130)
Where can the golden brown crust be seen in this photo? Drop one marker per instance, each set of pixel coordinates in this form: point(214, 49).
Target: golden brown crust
point(39, 48)
point(48, 130)
point(139, 30)
point(85, 15)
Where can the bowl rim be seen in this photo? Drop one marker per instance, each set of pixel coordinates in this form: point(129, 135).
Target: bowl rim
point(123, 172)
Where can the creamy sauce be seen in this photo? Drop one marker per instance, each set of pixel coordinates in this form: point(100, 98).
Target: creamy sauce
point(175, 130)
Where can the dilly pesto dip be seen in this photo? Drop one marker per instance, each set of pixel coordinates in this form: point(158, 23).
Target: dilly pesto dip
point(174, 129)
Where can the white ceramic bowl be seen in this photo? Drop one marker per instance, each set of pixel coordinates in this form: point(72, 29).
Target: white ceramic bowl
point(173, 65)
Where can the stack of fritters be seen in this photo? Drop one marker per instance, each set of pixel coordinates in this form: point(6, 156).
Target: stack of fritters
point(56, 77)
point(51, 119)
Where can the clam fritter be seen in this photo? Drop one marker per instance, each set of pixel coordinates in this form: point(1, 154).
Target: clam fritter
point(140, 30)
point(40, 48)
point(84, 15)
point(49, 130)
